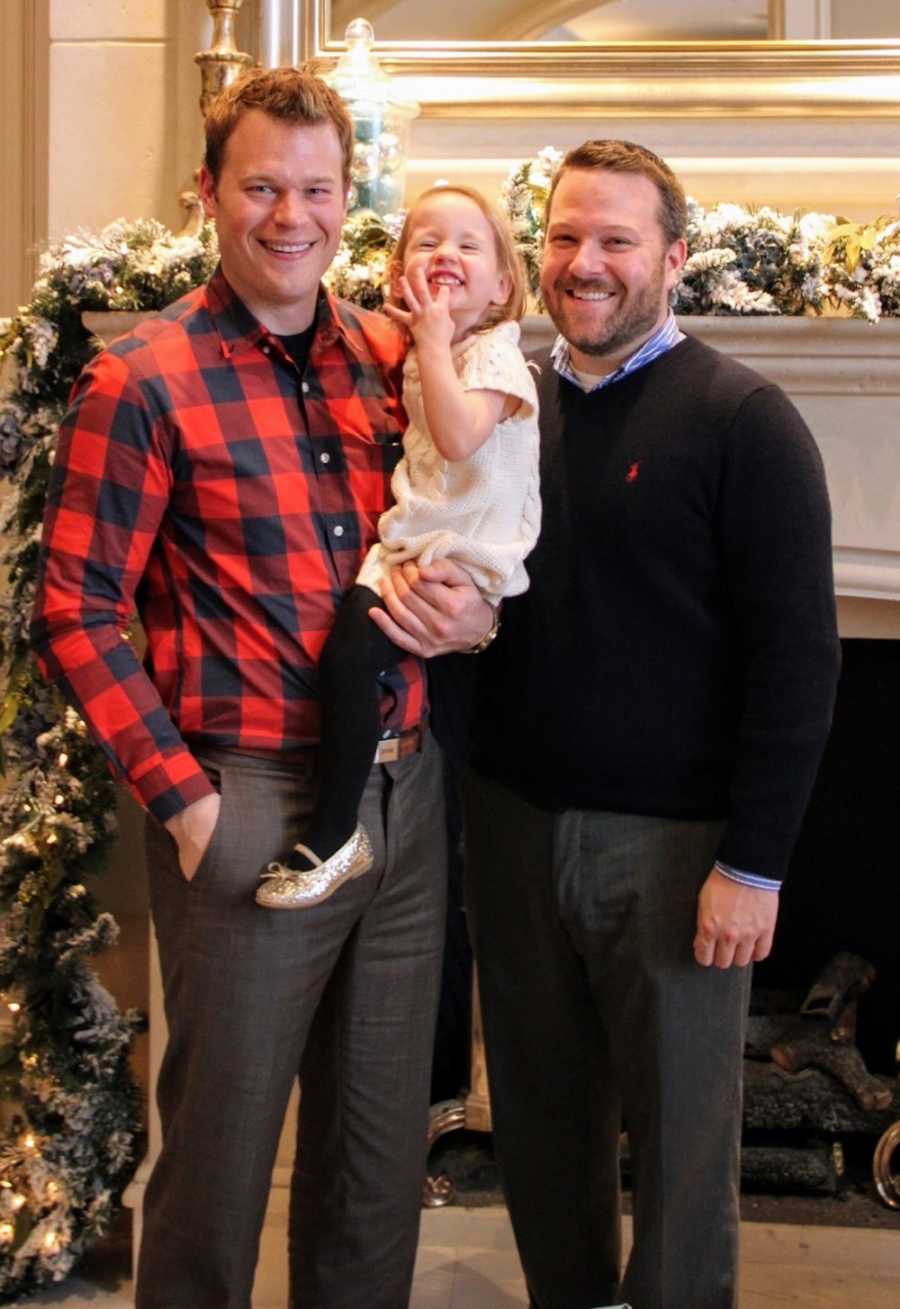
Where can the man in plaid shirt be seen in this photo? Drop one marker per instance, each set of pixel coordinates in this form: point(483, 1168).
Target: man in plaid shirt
point(224, 468)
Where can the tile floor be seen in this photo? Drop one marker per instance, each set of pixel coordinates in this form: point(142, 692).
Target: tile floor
point(467, 1261)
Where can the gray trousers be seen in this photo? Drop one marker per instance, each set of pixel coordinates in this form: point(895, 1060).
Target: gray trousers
point(343, 995)
point(594, 1011)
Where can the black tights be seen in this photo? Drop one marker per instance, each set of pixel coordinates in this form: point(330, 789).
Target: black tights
point(354, 654)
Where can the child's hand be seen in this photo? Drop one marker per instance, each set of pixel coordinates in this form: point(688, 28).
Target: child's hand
point(427, 317)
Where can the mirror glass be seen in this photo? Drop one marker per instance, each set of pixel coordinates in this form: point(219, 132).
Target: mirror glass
point(595, 21)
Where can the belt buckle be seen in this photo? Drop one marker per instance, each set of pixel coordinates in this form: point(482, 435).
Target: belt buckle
point(388, 752)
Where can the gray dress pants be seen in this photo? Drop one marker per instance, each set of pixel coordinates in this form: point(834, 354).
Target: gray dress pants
point(343, 995)
point(594, 1011)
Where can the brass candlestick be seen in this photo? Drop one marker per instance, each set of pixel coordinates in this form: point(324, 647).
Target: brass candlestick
point(223, 63)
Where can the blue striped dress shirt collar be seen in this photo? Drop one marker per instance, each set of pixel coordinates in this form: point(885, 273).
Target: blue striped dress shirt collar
point(663, 339)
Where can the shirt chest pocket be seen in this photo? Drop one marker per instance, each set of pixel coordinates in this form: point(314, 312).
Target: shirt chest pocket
point(368, 428)
point(369, 464)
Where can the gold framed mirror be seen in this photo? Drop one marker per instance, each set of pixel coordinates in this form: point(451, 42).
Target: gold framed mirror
point(622, 79)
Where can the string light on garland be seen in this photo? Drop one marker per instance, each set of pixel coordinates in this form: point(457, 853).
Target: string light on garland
point(53, 1242)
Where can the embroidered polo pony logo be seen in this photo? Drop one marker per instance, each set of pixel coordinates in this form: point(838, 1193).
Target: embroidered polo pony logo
point(633, 471)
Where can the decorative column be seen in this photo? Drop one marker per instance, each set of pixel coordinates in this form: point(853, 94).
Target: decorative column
point(282, 40)
point(223, 63)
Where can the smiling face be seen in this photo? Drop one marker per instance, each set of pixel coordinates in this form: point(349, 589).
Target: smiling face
point(279, 206)
point(451, 241)
point(607, 270)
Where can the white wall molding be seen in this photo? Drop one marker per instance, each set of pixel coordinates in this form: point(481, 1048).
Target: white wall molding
point(867, 574)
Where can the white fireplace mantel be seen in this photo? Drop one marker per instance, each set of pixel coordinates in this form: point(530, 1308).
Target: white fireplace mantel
point(844, 377)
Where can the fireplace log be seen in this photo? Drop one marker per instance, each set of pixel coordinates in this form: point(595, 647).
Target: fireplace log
point(816, 1048)
point(841, 981)
point(796, 1043)
point(766, 1030)
point(811, 1101)
point(815, 1169)
point(822, 1034)
point(831, 1001)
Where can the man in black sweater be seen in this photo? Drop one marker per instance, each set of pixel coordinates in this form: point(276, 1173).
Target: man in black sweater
point(647, 731)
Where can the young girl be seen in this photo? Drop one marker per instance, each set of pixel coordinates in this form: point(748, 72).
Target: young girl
point(466, 489)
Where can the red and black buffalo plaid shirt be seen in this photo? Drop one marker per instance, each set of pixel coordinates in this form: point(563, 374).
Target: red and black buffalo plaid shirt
point(200, 479)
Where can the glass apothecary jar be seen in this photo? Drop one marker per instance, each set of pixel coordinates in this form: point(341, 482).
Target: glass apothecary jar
point(381, 123)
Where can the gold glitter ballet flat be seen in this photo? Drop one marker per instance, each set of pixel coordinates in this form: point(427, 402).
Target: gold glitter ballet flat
point(294, 888)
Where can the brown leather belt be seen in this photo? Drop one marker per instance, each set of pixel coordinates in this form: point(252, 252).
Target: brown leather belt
point(305, 758)
point(398, 747)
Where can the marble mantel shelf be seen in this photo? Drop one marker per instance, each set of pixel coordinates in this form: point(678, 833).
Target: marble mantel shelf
point(844, 376)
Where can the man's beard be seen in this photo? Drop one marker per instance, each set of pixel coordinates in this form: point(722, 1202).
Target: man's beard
point(633, 320)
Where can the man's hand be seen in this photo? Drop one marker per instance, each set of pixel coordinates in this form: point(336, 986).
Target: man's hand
point(735, 923)
point(192, 829)
point(432, 610)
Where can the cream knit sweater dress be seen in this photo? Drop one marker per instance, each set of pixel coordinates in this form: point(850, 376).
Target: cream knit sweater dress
point(483, 512)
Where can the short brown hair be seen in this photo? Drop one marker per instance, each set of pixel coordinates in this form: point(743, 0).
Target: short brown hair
point(292, 95)
point(626, 157)
point(509, 261)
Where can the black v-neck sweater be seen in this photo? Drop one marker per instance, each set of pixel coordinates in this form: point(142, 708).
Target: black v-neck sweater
point(676, 653)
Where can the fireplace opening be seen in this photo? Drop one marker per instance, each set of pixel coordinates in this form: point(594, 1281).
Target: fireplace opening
point(843, 891)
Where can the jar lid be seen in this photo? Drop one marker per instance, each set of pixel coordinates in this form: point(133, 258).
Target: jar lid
point(359, 78)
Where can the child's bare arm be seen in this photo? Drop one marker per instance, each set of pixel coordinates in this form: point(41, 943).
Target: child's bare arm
point(459, 421)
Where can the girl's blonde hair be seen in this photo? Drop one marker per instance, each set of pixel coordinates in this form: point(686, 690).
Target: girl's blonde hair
point(509, 261)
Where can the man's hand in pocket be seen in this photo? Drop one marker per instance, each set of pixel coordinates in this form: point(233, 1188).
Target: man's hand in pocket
point(192, 829)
